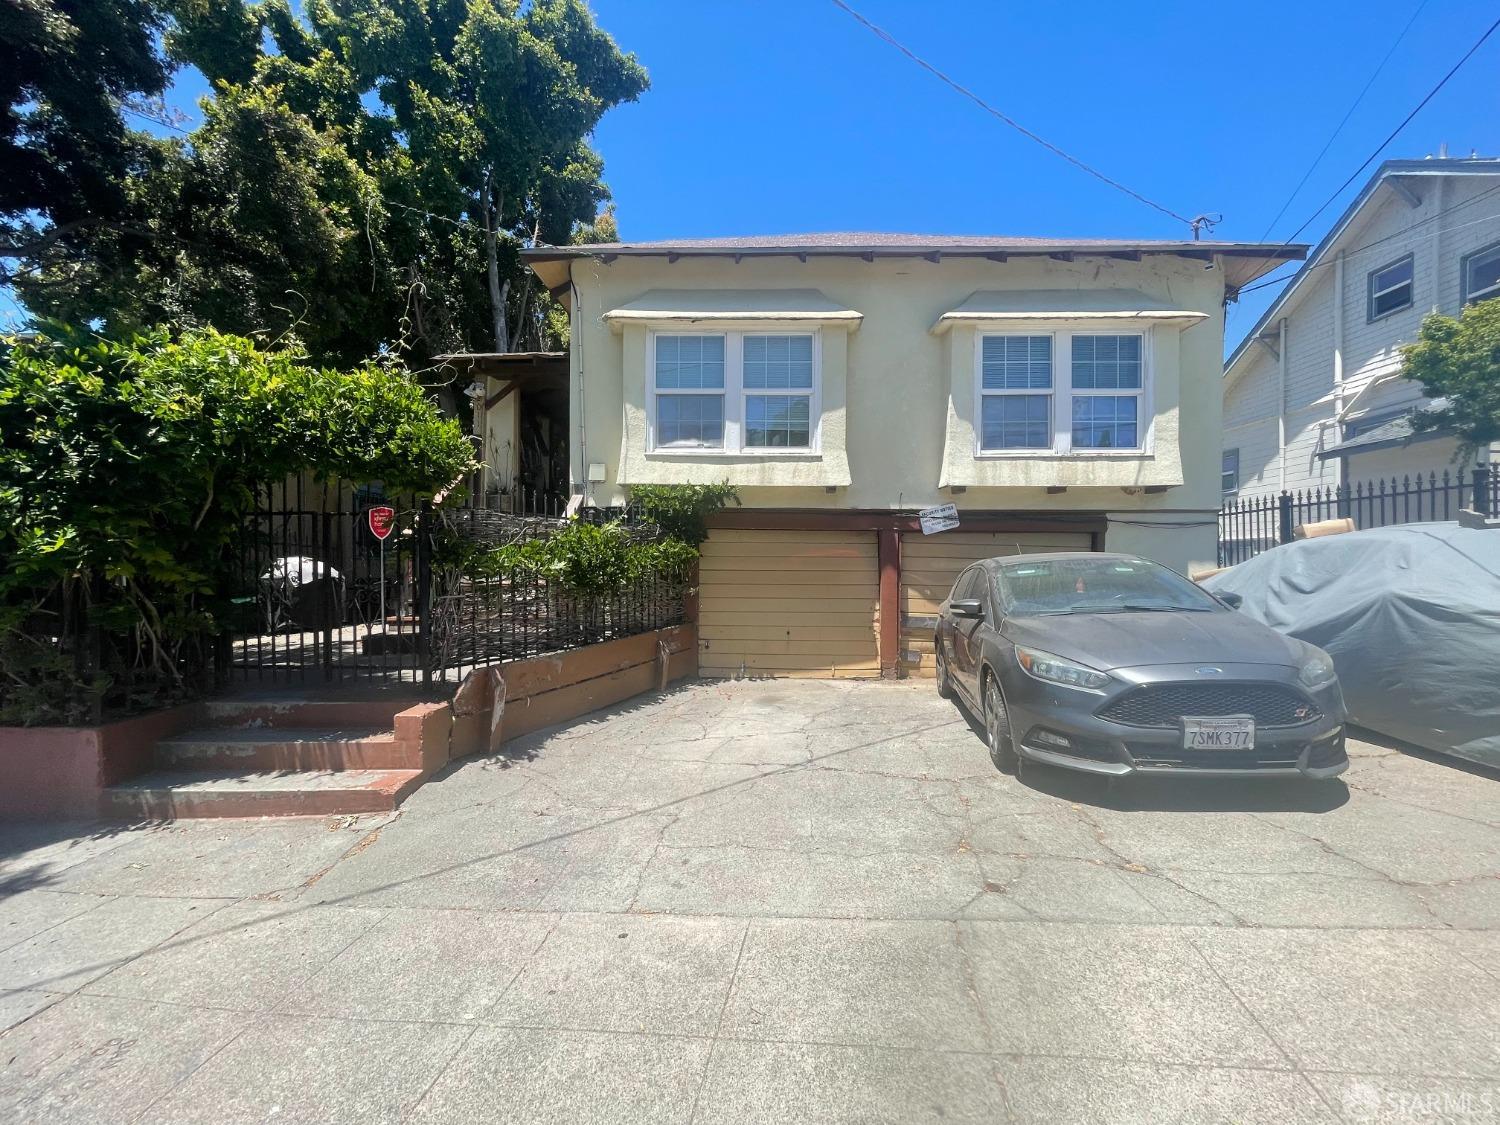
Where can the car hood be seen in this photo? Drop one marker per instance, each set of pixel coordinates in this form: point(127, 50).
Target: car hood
point(1130, 640)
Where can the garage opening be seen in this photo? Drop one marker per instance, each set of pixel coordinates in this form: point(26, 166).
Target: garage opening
point(788, 603)
point(931, 563)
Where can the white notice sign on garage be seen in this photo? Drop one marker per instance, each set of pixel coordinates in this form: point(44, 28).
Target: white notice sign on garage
point(942, 518)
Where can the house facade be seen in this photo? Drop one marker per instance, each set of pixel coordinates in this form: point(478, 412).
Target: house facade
point(1313, 396)
point(1062, 395)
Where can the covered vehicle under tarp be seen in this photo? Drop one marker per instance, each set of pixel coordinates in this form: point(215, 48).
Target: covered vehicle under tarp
point(1411, 617)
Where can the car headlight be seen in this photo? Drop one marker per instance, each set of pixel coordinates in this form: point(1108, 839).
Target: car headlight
point(1056, 670)
point(1317, 670)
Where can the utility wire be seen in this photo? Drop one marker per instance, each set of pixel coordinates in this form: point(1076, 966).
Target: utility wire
point(1017, 126)
point(1395, 234)
point(1344, 121)
point(1404, 123)
point(156, 120)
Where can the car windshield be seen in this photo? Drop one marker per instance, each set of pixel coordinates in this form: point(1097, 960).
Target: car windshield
point(1096, 585)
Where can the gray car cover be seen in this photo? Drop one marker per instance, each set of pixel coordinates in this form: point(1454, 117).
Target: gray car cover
point(1411, 617)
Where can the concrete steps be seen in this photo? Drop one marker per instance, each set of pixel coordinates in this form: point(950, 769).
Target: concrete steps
point(185, 794)
point(286, 748)
point(272, 757)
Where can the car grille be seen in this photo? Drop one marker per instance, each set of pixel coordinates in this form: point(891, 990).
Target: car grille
point(1163, 705)
point(1164, 757)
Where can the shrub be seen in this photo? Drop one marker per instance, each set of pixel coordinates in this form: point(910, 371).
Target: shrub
point(127, 468)
point(682, 510)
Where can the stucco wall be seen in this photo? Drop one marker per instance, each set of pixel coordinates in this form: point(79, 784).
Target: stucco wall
point(896, 380)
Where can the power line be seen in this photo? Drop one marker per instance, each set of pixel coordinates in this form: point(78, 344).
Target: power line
point(157, 120)
point(1344, 121)
point(1393, 235)
point(1017, 126)
point(1404, 123)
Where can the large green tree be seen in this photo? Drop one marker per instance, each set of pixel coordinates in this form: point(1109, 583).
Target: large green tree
point(1458, 359)
point(365, 176)
point(67, 67)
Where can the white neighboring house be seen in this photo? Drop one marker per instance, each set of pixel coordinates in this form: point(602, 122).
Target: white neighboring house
point(1313, 396)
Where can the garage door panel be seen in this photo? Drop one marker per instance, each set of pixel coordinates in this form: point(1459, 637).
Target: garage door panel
point(779, 664)
point(852, 568)
point(795, 586)
point(856, 608)
point(762, 632)
point(788, 603)
point(930, 564)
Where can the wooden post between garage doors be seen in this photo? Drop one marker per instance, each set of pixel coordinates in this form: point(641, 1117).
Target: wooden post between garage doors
point(889, 553)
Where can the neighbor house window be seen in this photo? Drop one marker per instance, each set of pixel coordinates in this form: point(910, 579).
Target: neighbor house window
point(1481, 274)
point(1107, 363)
point(1229, 472)
point(1099, 406)
point(734, 391)
point(1015, 391)
point(1390, 288)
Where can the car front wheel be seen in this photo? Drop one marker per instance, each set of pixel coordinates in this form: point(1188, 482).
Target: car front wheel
point(997, 728)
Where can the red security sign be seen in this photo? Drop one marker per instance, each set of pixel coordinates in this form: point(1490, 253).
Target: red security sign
point(382, 522)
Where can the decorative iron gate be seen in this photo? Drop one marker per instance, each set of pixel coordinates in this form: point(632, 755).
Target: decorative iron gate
point(318, 596)
point(320, 599)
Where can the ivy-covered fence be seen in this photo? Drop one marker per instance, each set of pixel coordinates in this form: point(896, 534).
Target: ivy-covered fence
point(129, 470)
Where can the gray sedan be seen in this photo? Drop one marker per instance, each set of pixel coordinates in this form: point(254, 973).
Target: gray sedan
point(1116, 665)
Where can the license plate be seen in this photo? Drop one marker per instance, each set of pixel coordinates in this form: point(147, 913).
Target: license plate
point(1231, 732)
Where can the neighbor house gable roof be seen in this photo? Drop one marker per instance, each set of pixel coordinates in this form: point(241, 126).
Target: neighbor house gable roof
point(1396, 172)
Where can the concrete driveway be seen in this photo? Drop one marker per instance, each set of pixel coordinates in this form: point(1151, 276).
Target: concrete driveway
point(772, 902)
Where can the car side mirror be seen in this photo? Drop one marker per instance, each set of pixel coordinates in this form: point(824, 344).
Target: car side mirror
point(1233, 601)
point(966, 607)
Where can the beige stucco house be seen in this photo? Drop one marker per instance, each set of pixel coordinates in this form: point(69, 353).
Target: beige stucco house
point(1062, 394)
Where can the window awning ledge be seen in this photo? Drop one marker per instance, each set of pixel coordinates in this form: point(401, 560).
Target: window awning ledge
point(999, 306)
point(700, 306)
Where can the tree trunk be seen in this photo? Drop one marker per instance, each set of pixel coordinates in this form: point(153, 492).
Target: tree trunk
point(498, 292)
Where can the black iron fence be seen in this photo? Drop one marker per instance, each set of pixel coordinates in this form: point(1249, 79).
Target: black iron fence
point(1253, 524)
point(321, 596)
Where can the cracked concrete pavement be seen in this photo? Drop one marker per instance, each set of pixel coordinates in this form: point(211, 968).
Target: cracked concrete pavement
point(777, 901)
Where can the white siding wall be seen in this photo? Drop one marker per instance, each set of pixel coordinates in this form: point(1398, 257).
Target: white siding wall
point(1456, 215)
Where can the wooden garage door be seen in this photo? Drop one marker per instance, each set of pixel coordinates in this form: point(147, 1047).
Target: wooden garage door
point(788, 603)
point(931, 563)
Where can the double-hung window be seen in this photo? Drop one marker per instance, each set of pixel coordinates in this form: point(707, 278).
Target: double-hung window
point(1481, 274)
point(1112, 364)
point(734, 392)
point(1100, 403)
point(783, 366)
point(1229, 472)
point(1390, 288)
point(1015, 392)
point(689, 390)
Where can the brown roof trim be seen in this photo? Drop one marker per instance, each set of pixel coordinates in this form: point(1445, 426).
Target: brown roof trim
point(1198, 250)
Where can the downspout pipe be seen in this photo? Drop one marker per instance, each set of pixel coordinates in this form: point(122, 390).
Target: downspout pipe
point(1281, 403)
point(1338, 350)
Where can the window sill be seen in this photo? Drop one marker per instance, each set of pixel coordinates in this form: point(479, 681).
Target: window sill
point(756, 454)
point(1060, 455)
point(1388, 315)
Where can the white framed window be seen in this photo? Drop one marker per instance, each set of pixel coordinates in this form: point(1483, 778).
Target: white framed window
point(1107, 363)
point(1015, 392)
point(1390, 288)
point(688, 391)
point(1101, 406)
point(742, 391)
point(1481, 274)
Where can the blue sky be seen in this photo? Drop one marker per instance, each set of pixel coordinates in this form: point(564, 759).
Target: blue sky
point(786, 115)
